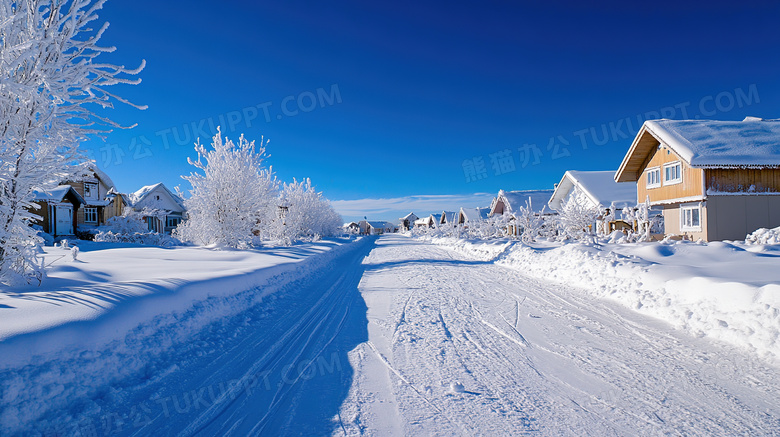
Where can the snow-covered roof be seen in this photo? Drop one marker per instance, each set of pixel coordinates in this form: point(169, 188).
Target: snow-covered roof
point(712, 143)
point(514, 200)
point(436, 218)
point(381, 225)
point(753, 142)
point(475, 214)
point(100, 174)
point(599, 186)
point(56, 194)
point(448, 216)
point(410, 216)
point(141, 194)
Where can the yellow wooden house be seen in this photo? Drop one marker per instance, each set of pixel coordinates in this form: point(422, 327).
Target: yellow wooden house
point(715, 180)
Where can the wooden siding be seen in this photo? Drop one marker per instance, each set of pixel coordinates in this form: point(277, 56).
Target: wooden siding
point(43, 212)
point(691, 185)
point(740, 179)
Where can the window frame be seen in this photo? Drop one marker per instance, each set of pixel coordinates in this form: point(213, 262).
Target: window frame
point(684, 226)
point(169, 219)
point(647, 175)
point(678, 179)
point(88, 211)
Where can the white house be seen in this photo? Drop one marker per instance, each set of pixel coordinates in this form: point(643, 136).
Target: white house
point(162, 209)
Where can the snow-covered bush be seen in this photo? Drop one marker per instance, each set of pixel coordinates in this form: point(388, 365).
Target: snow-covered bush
point(764, 236)
point(130, 222)
point(232, 196)
point(145, 238)
point(50, 78)
point(130, 227)
point(303, 213)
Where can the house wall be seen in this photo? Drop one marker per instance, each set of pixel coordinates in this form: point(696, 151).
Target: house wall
point(733, 217)
point(115, 208)
point(736, 180)
point(672, 223)
point(691, 185)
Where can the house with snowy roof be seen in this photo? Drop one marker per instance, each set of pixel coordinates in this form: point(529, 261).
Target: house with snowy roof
point(101, 200)
point(715, 180)
point(351, 228)
point(57, 210)
point(507, 204)
point(431, 221)
point(408, 220)
point(510, 202)
point(472, 215)
point(371, 227)
point(598, 190)
point(448, 218)
point(161, 208)
point(82, 202)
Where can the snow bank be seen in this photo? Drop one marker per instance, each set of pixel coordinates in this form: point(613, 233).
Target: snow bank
point(107, 292)
point(48, 372)
point(725, 291)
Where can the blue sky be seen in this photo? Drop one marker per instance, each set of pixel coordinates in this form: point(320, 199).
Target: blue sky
point(395, 99)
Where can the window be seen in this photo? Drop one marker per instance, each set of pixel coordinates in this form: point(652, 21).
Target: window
point(672, 173)
point(654, 177)
point(90, 190)
point(90, 215)
point(690, 218)
point(172, 222)
point(152, 224)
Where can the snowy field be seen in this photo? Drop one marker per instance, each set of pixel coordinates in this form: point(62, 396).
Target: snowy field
point(383, 336)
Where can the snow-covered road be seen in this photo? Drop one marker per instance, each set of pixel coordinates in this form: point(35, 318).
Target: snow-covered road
point(534, 358)
point(400, 337)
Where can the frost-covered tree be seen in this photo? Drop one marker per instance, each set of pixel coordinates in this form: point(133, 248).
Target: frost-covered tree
point(530, 223)
point(303, 213)
point(50, 84)
point(577, 216)
point(230, 198)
